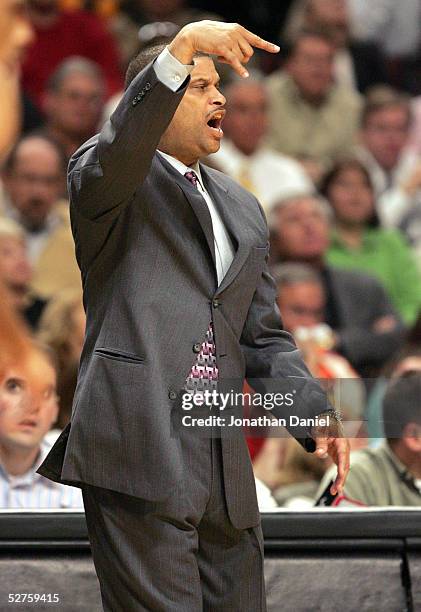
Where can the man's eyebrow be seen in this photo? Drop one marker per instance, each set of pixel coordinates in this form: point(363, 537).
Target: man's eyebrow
point(203, 81)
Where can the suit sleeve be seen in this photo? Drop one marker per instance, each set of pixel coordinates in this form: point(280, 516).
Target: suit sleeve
point(106, 171)
point(274, 364)
point(365, 346)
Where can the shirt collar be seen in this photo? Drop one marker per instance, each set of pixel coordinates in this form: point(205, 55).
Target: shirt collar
point(182, 168)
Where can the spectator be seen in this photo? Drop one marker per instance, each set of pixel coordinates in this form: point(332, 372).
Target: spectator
point(61, 34)
point(408, 358)
point(357, 63)
point(358, 243)
point(261, 170)
point(307, 108)
point(73, 103)
point(33, 180)
point(16, 272)
point(62, 328)
point(390, 475)
point(394, 169)
point(15, 36)
point(368, 330)
point(28, 409)
point(302, 303)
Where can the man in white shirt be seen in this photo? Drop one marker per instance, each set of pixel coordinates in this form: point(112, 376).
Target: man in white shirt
point(34, 183)
point(28, 409)
point(394, 168)
point(260, 169)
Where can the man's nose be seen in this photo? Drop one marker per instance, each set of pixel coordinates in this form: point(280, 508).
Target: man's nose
point(219, 98)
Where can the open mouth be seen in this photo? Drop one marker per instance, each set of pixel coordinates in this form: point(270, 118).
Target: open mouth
point(215, 123)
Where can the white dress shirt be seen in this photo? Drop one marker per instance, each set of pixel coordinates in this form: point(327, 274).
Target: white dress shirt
point(224, 251)
point(173, 73)
point(32, 491)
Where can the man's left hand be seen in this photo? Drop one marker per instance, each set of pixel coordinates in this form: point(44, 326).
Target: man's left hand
point(330, 440)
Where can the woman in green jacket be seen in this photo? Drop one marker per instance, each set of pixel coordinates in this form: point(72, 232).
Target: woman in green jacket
point(358, 242)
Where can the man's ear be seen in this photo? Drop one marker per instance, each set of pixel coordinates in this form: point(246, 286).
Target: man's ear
point(411, 435)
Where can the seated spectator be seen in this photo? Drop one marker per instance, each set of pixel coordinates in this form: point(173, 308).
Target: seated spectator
point(301, 299)
point(407, 358)
point(16, 272)
point(367, 329)
point(390, 475)
point(62, 328)
point(61, 34)
point(358, 243)
point(73, 103)
point(302, 302)
point(28, 409)
point(357, 63)
point(261, 170)
point(33, 180)
point(307, 108)
point(395, 170)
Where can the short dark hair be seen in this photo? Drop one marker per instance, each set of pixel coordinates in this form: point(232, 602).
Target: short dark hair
point(141, 60)
point(342, 165)
point(146, 56)
point(402, 404)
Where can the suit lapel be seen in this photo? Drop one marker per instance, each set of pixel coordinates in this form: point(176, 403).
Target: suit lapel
point(197, 203)
point(228, 208)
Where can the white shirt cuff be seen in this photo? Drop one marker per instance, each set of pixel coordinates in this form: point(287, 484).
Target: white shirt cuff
point(170, 71)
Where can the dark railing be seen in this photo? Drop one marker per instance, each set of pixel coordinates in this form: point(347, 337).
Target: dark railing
point(330, 560)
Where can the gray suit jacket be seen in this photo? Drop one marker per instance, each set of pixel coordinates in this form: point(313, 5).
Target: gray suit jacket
point(144, 245)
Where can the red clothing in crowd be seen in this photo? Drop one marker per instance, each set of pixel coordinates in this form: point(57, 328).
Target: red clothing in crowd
point(74, 33)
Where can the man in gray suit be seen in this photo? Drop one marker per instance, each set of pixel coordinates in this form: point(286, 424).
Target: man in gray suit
point(178, 297)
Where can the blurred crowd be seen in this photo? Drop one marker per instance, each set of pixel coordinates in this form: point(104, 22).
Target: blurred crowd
point(326, 134)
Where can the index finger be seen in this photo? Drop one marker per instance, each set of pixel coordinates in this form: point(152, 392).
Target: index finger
point(260, 43)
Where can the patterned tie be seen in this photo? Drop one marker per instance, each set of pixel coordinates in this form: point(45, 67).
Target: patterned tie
point(192, 177)
point(204, 373)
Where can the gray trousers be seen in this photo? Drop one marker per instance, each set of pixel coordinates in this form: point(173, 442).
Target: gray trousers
point(181, 555)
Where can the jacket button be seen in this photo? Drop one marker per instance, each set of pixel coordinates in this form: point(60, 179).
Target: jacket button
point(148, 86)
point(197, 347)
point(172, 395)
point(215, 303)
